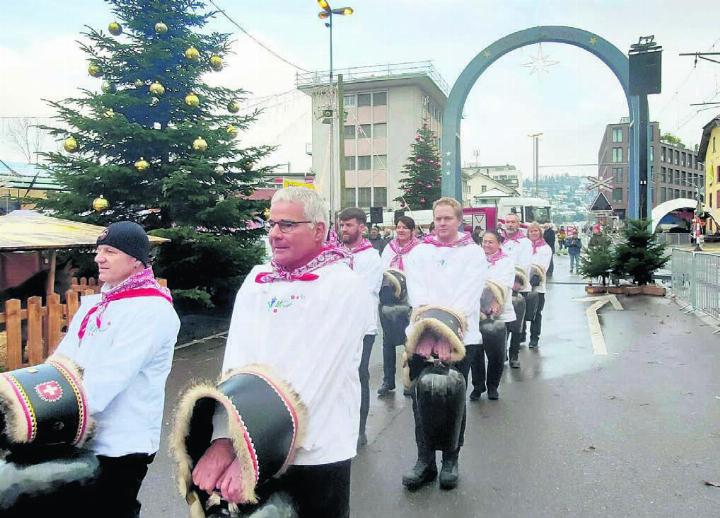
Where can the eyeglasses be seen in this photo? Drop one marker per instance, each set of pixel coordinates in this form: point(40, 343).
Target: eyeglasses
point(285, 225)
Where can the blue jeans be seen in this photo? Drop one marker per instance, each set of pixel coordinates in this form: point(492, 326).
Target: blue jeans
point(574, 261)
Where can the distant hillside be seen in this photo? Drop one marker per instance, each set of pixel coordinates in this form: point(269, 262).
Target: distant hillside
point(567, 195)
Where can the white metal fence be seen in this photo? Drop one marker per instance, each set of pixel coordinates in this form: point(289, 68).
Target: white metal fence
point(674, 239)
point(696, 280)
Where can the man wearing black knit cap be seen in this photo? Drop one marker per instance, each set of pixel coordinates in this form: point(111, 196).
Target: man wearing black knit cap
point(123, 339)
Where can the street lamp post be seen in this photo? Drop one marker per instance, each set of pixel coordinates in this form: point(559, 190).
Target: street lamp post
point(327, 13)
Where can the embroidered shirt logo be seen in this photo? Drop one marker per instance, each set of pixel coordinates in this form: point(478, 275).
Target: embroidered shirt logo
point(276, 303)
point(49, 391)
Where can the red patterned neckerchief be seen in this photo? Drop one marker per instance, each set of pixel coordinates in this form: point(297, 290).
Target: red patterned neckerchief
point(464, 240)
point(400, 250)
point(328, 255)
point(141, 284)
point(363, 245)
point(494, 258)
point(537, 244)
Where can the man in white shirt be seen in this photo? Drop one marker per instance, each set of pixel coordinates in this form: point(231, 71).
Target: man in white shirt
point(367, 263)
point(124, 340)
point(518, 246)
point(447, 270)
point(300, 316)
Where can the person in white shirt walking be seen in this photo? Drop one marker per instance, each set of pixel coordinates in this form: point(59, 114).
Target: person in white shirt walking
point(301, 315)
point(124, 340)
point(447, 270)
point(541, 255)
point(366, 262)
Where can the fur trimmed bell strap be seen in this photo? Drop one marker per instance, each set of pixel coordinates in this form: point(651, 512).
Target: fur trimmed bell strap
point(400, 250)
point(441, 326)
point(329, 254)
point(266, 422)
point(492, 292)
point(45, 405)
point(464, 239)
point(141, 284)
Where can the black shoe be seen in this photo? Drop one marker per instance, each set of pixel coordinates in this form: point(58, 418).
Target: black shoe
point(523, 338)
point(449, 473)
point(407, 392)
point(385, 389)
point(475, 394)
point(533, 343)
point(493, 394)
point(362, 440)
point(514, 363)
point(422, 473)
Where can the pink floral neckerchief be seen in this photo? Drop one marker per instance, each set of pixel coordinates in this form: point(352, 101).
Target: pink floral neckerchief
point(517, 236)
point(328, 255)
point(363, 245)
point(400, 251)
point(537, 244)
point(464, 240)
point(141, 284)
point(494, 258)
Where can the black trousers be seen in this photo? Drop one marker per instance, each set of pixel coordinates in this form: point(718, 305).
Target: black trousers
point(495, 363)
point(389, 363)
point(117, 486)
point(517, 338)
point(536, 324)
point(364, 372)
point(417, 364)
point(320, 491)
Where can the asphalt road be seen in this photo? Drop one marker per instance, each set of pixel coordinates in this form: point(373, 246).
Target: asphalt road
point(634, 433)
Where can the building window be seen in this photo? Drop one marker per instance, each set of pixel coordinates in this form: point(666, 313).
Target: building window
point(717, 199)
point(380, 162)
point(652, 153)
point(617, 134)
point(683, 178)
point(717, 173)
point(349, 132)
point(677, 193)
point(349, 163)
point(364, 197)
point(618, 175)
point(617, 154)
point(676, 179)
point(662, 153)
point(363, 100)
point(380, 99)
point(483, 188)
point(380, 130)
point(663, 175)
point(617, 194)
point(677, 157)
point(349, 197)
point(380, 197)
point(365, 131)
point(663, 194)
point(713, 144)
point(364, 163)
point(682, 159)
point(349, 100)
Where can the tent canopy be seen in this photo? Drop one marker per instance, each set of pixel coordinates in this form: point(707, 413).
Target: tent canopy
point(30, 230)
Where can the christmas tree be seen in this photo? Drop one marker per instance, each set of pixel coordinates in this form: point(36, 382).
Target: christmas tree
point(639, 254)
point(156, 144)
point(421, 185)
point(597, 262)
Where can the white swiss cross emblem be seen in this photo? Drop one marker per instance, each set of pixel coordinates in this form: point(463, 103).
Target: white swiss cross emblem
point(49, 391)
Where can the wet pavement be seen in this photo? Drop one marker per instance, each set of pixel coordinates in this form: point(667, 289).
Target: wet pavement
point(634, 433)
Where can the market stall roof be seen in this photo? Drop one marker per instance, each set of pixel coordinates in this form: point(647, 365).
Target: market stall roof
point(30, 230)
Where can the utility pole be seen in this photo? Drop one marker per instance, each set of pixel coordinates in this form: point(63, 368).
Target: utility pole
point(341, 138)
point(536, 160)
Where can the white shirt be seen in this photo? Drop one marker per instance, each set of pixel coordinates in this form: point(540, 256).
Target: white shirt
point(541, 256)
point(389, 254)
point(368, 265)
point(451, 277)
point(503, 273)
point(310, 333)
point(126, 364)
point(520, 251)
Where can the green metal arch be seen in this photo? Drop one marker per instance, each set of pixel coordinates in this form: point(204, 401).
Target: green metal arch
point(615, 60)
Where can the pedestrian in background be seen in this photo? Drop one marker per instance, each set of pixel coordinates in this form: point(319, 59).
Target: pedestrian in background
point(561, 235)
point(574, 247)
point(549, 237)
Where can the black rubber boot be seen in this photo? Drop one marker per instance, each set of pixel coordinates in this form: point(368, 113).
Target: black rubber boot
point(449, 472)
point(424, 471)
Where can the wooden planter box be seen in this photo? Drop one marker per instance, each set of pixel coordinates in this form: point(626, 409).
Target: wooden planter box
point(617, 290)
point(594, 290)
point(654, 290)
point(633, 290)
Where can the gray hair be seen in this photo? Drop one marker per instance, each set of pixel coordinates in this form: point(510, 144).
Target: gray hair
point(313, 206)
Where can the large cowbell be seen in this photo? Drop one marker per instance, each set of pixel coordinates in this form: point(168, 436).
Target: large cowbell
point(493, 333)
point(440, 396)
point(519, 305)
point(532, 300)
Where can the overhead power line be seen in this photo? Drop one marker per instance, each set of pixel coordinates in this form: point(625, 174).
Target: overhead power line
point(268, 49)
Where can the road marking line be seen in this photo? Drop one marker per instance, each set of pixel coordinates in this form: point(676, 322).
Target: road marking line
point(596, 334)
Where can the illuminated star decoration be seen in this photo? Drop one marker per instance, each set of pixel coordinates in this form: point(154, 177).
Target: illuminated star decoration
point(540, 63)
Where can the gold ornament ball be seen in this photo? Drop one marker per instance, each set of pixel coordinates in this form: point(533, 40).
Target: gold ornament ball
point(157, 89)
point(161, 28)
point(107, 87)
point(192, 53)
point(115, 28)
point(100, 204)
point(233, 107)
point(94, 70)
point(154, 101)
point(216, 63)
point(199, 144)
point(192, 100)
point(142, 164)
point(232, 131)
point(70, 145)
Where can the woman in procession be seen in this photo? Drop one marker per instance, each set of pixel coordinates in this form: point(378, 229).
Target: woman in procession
point(396, 255)
point(540, 262)
point(501, 271)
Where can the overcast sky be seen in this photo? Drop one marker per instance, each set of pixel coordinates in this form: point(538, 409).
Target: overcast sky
point(570, 102)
